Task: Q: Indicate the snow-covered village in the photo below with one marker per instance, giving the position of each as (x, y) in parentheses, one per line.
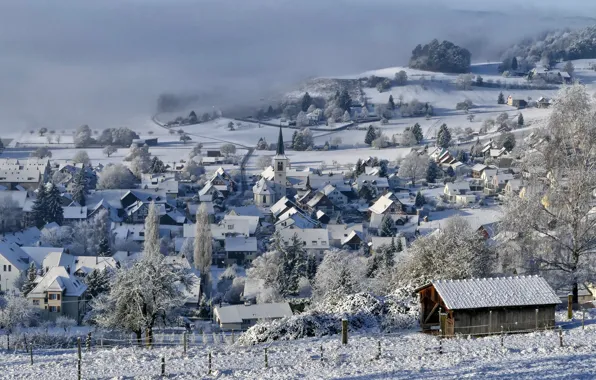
(431, 219)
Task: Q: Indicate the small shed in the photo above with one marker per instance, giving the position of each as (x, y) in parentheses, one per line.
(487, 305)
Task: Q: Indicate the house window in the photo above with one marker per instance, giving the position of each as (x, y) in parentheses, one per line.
(54, 296)
(9, 268)
(280, 166)
(314, 242)
(54, 309)
(230, 226)
(323, 243)
(5, 267)
(36, 302)
(264, 199)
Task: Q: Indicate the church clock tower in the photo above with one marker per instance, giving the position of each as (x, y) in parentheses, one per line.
(280, 164)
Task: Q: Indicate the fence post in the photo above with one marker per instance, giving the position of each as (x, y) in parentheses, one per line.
(583, 317)
(570, 306)
(490, 321)
(266, 359)
(502, 337)
(101, 340)
(344, 331)
(209, 362)
(379, 352)
(440, 343)
(184, 340)
(560, 336)
(7, 341)
(80, 358)
(443, 323)
(232, 336)
(321, 352)
(88, 341)
(31, 352)
(163, 366)
(536, 319)
(25, 343)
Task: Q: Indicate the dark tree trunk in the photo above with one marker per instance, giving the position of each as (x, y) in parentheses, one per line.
(575, 293)
(138, 333)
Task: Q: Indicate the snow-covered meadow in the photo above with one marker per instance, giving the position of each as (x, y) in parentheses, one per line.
(407, 355)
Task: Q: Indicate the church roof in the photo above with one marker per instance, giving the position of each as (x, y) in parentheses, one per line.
(280, 144)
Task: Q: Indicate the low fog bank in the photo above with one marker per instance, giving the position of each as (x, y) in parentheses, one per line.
(105, 63)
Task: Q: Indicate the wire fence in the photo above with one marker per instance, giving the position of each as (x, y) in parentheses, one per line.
(192, 354)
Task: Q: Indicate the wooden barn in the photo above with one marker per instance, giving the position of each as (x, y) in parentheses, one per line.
(487, 305)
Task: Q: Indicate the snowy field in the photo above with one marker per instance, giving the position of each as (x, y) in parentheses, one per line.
(410, 355)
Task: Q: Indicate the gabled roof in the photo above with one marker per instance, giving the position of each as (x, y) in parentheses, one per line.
(38, 254)
(261, 188)
(57, 279)
(328, 189)
(18, 197)
(240, 244)
(462, 185)
(75, 212)
(495, 292)
(14, 255)
(252, 221)
(239, 313)
(314, 238)
(316, 199)
(381, 205)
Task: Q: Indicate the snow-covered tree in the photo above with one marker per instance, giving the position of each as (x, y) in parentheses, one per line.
(293, 266)
(57, 236)
(301, 119)
(140, 165)
(109, 150)
(371, 135)
(185, 138)
(417, 130)
(408, 138)
(30, 277)
(54, 210)
(340, 273)
(264, 162)
(81, 157)
(16, 311)
(11, 215)
(103, 234)
(187, 250)
(82, 137)
(116, 177)
(98, 282)
(457, 251)
(364, 113)
(386, 226)
(401, 78)
(228, 149)
(413, 167)
(79, 188)
(555, 214)
(520, 120)
(66, 323)
(444, 136)
(42, 152)
(193, 169)
(380, 142)
(464, 81)
(203, 248)
(501, 98)
(420, 200)
(39, 209)
(569, 68)
(152, 241)
(157, 166)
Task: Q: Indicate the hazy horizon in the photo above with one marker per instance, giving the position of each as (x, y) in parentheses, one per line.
(103, 63)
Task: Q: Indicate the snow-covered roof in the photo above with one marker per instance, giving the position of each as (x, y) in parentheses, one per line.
(57, 279)
(315, 200)
(457, 186)
(479, 167)
(495, 292)
(261, 188)
(29, 236)
(268, 173)
(328, 189)
(299, 220)
(38, 254)
(14, 255)
(342, 231)
(87, 264)
(252, 287)
(381, 205)
(239, 313)
(250, 210)
(240, 244)
(280, 206)
(75, 212)
(252, 221)
(379, 182)
(314, 238)
(17, 196)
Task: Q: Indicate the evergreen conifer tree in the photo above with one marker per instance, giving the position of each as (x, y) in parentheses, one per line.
(514, 63)
(311, 266)
(520, 120)
(294, 138)
(501, 99)
(420, 201)
(432, 171)
(444, 137)
(371, 135)
(55, 212)
(157, 166)
(39, 209)
(386, 226)
(79, 188)
(391, 103)
(417, 131)
(389, 254)
(270, 111)
(30, 283)
(293, 266)
(306, 102)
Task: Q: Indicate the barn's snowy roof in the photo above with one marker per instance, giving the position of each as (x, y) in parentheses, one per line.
(495, 292)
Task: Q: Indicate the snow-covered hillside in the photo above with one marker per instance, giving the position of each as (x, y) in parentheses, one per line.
(410, 355)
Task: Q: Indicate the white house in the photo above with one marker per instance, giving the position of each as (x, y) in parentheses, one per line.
(386, 204)
(458, 192)
(240, 249)
(13, 261)
(315, 240)
(241, 317)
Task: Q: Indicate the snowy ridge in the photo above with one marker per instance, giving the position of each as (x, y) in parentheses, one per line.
(495, 292)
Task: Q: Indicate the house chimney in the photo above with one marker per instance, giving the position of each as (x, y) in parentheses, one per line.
(68, 269)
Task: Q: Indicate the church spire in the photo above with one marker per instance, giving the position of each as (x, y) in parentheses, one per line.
(280, 144)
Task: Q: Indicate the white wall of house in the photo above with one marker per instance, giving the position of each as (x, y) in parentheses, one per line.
(8, 274)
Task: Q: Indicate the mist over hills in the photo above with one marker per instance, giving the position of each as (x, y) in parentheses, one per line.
(105, 63)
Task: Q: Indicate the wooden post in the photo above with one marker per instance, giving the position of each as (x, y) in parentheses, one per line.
(266, 359)
(184, 342)
(379, 352)
(80, 358)
(560, 336)
(344, 331)
(321, 352)
(490, 321)
(583, 318)
(443, 323)
(440, 344)
(25, 343)
(537, 324)
(88, 341)
(101, 341)
(209, 362)
(232, 336)
(31, 352)
(8, 341)
(570, 306)
(502, 337)
(163, 366)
